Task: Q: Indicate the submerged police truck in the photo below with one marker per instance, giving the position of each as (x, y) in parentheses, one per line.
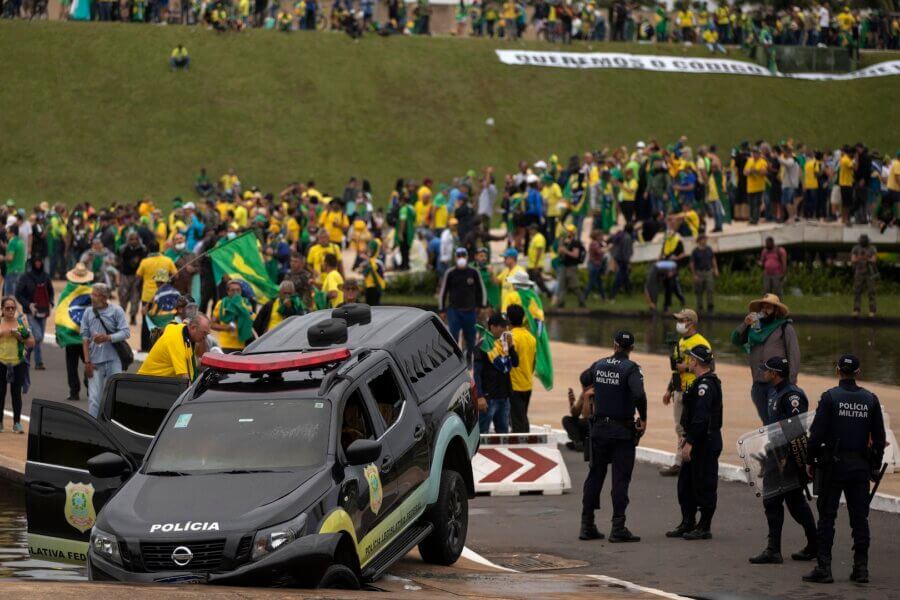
(318, 456)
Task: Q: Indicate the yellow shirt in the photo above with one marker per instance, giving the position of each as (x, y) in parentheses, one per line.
(846, 21)
(9, 351)
(505, 273)
(228, 181)
(223, 208)
(423, 213)
(810, 172)
(686, 18)
(670, 242)
(228, 339)
(293, 229)
(756, 183)
(161, 233)
(629, 190)
(276, 316)
(537, 246)
(149, 267)
(512, 296)
(893, 182)
(441, 216)
(693, 221)
(685, 344)
(522, 376)
(422, 192)
(359, 239)
(845, 171)
(333, 283)
(241, 216)
(316, 256)
(335, 223)
(552, 196)
(171, 356)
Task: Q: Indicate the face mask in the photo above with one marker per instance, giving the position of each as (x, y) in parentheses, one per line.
(681, 328)
(180, 246)
(460, 262)
(232, 235)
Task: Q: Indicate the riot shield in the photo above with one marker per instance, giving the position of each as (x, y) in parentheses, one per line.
(774, 456)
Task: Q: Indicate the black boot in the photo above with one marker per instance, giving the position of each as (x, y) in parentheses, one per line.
(768, 556)
(808, 553)
(620, 533)
(821, 574)
(683, 527)
(589, 529)
(860, 572)
(702, 530)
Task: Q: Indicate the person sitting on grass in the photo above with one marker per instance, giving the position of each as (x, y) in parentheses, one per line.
(179, 59)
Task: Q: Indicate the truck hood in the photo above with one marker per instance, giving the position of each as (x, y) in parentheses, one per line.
(200, 506)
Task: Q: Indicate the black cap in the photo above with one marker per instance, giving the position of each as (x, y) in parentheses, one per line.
(497, 319)
(701, 353)
(625, 339)
(848, 364)
(779, 364)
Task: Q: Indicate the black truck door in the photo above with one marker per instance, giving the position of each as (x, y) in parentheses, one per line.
(134, 406)
(62, 499)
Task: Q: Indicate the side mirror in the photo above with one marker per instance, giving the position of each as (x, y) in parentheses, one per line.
(108, 464)
(361, 452)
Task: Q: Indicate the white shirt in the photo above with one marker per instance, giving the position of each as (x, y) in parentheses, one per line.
(25, 234)
(446, 253)
(824, 17)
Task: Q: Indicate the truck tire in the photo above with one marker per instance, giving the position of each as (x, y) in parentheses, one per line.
(339, 577)
(449, 517)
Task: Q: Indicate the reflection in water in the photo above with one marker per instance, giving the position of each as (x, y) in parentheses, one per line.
(14, 559)
(820, 343)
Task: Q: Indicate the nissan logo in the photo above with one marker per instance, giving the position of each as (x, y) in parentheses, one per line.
(182, 555)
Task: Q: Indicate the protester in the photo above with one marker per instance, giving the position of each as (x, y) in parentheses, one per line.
(576, 424)
(35, 293)
(179, 59)
(522, 374)
(15, 338)
(129, 259)
(286, 304)
(233, 318)
(461, 296)
(705, 270)
(767, 332)
(773, 260)
(494, 359)
(16, 256)
(175, 353)
(332, 281)
(864, 258)
(596, 264)
(102, 326)
(572, 253)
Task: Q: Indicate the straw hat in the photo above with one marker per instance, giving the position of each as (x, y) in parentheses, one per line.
(774, 301)
(80, 274)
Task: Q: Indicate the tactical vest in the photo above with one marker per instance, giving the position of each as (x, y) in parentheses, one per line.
(612, 397)
(851, 418)
(778, 406)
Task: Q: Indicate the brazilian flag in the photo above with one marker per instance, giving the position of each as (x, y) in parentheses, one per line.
(241, 259)
(73, 301)
(534, 314)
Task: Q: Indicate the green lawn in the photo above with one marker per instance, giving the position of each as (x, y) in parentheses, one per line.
(839, 305)
(91, 112)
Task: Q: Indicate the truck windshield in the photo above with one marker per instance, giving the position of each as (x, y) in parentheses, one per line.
(242, 436)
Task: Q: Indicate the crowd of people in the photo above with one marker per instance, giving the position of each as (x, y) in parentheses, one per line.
(816, 24)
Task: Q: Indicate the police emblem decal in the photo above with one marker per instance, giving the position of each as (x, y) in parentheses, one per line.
(373, 478)
(79, 509)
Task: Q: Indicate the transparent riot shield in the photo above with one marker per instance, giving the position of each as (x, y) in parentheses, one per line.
(774, 456)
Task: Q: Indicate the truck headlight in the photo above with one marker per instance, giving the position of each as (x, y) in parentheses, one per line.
(272, 538)
(105, 545)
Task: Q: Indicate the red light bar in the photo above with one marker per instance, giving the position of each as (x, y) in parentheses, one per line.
(273, 362)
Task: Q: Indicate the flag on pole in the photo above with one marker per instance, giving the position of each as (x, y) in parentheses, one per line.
(534, 313)
(241, 259)
(73, 301)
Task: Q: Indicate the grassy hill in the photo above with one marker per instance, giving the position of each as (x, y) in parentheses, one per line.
(91, 111)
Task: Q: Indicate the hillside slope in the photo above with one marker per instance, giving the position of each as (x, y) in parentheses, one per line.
(91, 111)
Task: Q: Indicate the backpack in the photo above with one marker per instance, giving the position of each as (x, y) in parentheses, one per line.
(41, 301)
(393, 215)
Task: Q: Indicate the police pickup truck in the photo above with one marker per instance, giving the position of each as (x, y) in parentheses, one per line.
(318, 456)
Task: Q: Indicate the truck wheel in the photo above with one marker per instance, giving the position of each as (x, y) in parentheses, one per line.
(449, 517)
(339, 577)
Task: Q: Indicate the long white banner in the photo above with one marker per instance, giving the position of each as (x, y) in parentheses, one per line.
(675, 64)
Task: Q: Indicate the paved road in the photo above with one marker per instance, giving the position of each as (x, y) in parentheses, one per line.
(549, 524)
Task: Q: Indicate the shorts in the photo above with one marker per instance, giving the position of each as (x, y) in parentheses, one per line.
(787, 196)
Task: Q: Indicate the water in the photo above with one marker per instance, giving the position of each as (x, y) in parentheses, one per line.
(14, 559)
(820, 343)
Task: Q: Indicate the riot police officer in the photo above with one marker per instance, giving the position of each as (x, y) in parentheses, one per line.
(700, 449)
(618, 390)
(785, 400)
(843, 459)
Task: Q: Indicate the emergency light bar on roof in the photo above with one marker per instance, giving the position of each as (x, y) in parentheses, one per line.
(275, 362)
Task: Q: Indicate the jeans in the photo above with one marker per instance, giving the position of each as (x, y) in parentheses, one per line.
(10, 283)
(759, 393)
(810, 203)
(718, 213)
(12, 377)
(518, 411)
(102, 372)
(773, 284)
(37, 330)
(622, 280)
(595, 281)
(497, 413)
(463, 320)
(755, 200)
(704, 285)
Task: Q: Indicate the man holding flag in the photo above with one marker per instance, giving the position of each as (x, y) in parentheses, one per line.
(73, 301)
(522, 374)
(233, 319)
(521, 292)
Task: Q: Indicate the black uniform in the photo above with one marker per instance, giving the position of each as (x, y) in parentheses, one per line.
(702, 423)
(786, 400)
(618, 390)
(846, 418)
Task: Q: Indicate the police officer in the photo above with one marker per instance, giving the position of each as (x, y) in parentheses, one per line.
(618, 390)
(785, 400)
(846, 447)
(700, 449)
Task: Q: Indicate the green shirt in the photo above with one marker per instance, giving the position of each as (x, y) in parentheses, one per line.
(16, 247)
(407, 214)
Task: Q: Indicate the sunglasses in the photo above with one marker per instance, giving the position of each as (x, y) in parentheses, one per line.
(9, 308)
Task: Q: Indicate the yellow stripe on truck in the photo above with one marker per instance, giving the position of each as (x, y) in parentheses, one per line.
(57, 549)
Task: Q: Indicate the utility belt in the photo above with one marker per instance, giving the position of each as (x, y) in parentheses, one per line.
(628, 423)
(852, 454)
